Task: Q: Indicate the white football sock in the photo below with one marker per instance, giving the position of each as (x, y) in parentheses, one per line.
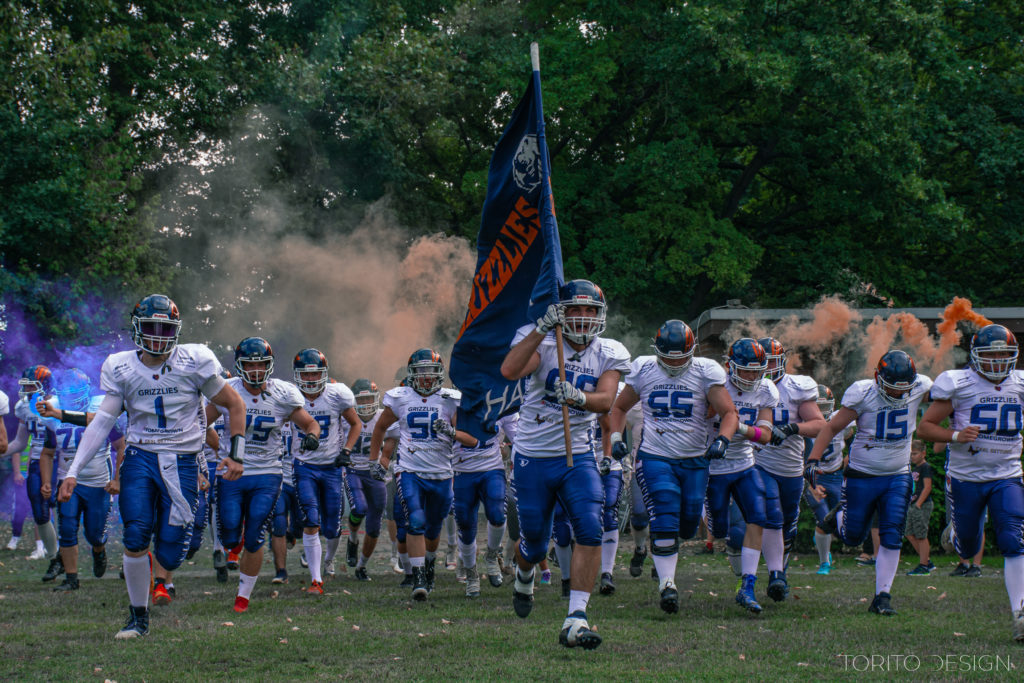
(886, 564)
(49, 536)
(494, 536)
(311, 542)
(524, 581)
(609, 544)
(362, 561)
(1013, 570)
(772, 549)
(246, 584)
(665, 566)
(406, 562)
(468, 554)
(823, 542)
(564, 555)
(749, 559)
(640, 537)
(417, 561)
(578, 601)
(449, 530)
(136, 579)
(332, 550)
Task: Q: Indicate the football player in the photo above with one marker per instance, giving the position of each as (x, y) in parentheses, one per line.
(829, 479)
(984, 405)
(90, 501)
(592, 367)
(245, 505)
(161, 386)
(734, 476)
(318, 473)
(367, 494)
(781, 461)
(878, 472)
(287, 524)
(36, 383)
(424, 466)
(675, 390)
(611, 480)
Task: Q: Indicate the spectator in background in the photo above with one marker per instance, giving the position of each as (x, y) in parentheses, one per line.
(919, 513)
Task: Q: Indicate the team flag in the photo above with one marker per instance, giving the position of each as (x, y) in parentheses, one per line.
(518, 271)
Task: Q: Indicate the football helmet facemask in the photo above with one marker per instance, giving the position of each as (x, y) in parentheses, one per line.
(581, 328)
(994, 352)
(310, 371)
(73, 389)
(367, 398)
(425, 371)
(36, 379)
(746, 355)
(156, 324)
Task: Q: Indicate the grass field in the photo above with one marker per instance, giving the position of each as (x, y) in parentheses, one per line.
(947, 629)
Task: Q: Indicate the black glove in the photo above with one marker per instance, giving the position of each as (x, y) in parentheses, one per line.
(604, 466)
(619, 450)
(780, 434)
(811, 472)
(343, 458)
(310, 442)
(378, 471)
(717, 449)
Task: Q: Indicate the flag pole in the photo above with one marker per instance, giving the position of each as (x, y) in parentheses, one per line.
(535, 59)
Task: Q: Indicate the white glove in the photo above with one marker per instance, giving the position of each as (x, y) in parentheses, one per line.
(553, 317)
(567, 394)
(444, 427)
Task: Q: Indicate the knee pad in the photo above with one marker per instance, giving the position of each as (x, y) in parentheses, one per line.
(1009, 543)
(532, 552)
(136, 539)
(170, 555)
(416, 523)
(664, 550)
(355, 519)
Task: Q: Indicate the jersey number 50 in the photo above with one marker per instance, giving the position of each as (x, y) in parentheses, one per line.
(1001, 419)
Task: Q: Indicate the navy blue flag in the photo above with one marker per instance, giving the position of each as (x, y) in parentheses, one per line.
(518, 270)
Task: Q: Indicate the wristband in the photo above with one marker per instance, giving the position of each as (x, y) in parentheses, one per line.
(742, 429)
(757, 433)
(237, 448)
(615, 438)
(73, 417)
(955, 434)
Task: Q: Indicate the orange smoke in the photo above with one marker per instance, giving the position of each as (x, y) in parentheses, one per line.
(831, 320)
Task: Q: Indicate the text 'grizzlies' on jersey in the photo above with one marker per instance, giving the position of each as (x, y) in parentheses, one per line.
(265, 414)
(997, 410)
(540, 431)
(675, 408)
(787, 459)
(361, 451)
(162, 403)
(422, 450)
(884, 433)
(740, 454)
(326, 409)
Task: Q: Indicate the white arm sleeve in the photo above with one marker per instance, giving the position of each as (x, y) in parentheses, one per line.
(96, 433)
(20, 441)
(212, 386)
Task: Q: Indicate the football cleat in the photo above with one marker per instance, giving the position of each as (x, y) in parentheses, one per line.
(361, 574)
(55, 569)
(494, 568)
(329, 570)
(973, 572)
(241, 604)
(865, 562)
(428, 573)
(472, 583)
(545, 577)
(407, 581)
(99, 563)
(221, 565)
(351, 552)
(12, 544)
(636, 563)
(161, 596)
(745, 594)
(1018, 625)
(919, 570)
(961, 570)
(881, 605)
(669, 598)
(450, 562)
(37, 554)
(396, 565)
(829, 525)
(280, 577)
(778, 588)
(419, 584)
(233, 561)
(316, 588)
(576, 632)
(136, 626)
(522, 595)
(191, 553)
(69, 584)
(824, 569)
(566, 587)
(607, 585)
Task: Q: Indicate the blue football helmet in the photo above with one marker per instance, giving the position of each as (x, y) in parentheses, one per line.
(748, 355)
(994, 352)
(826, 401)
(581, 329)
(308, 362)
(674, 341)
(367, 398)
(895, 376)
(36, 379)
(425, 371)
(156, 324)
(73, 387)
(775, 353)
(254, 350)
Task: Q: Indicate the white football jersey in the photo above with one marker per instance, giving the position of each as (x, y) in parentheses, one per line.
(740, 454)
(326, 409)
(264, 416)
(35, 425)
(675, 409)
(787, 459)
(882, 443)
(421, 450)
(832, 458)
(100, 469)
(540, 431)
(486, 456)
(162, 403)
(5, 404)
(996, 409)
(361, 451)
